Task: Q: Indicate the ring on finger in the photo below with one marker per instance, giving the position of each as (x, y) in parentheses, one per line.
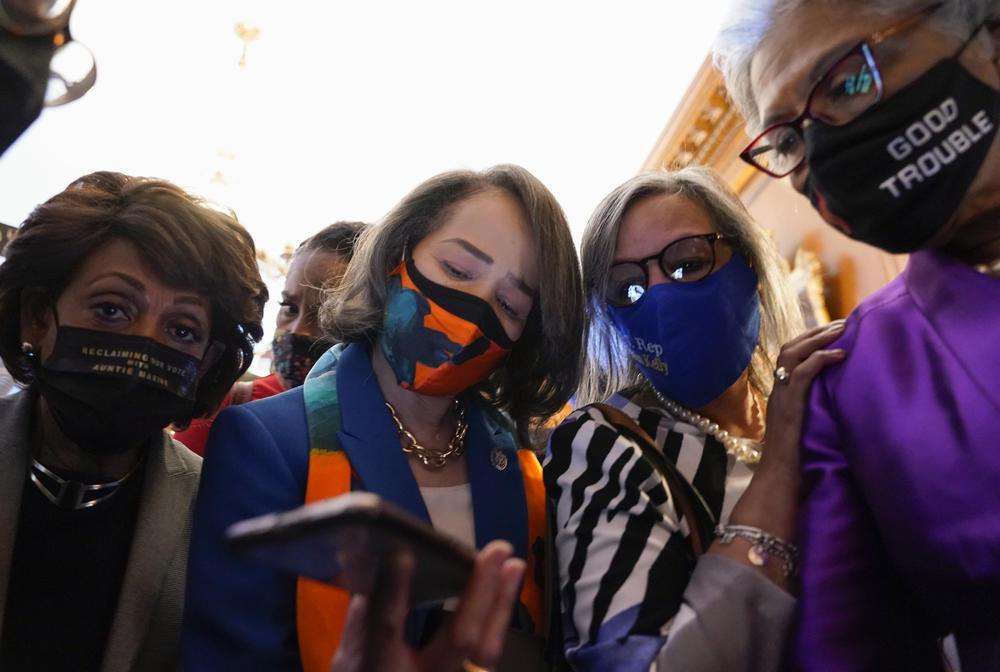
(781, 375)
(469, 666)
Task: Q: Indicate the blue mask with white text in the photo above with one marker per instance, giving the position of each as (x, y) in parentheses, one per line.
(693, 340)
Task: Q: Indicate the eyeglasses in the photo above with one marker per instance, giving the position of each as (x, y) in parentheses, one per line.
(35, 17)
(847, 90)
(72, 70)
(687, 259)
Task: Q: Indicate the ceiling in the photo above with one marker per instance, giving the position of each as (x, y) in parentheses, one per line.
(343, 107)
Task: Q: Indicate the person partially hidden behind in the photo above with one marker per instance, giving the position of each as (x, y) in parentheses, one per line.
(126, 305)
(318, 265)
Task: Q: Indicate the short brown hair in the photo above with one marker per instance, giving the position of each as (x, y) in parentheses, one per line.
(187, 243)
(541, 372)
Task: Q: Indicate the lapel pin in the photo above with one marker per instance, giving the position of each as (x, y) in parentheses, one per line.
(498, 459)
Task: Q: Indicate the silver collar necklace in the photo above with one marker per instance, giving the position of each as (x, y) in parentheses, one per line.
(73, 495)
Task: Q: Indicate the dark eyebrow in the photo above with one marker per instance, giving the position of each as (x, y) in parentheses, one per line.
(134, 282)
(522, 285)
(192, 299)
(819, 69)
(472, 249)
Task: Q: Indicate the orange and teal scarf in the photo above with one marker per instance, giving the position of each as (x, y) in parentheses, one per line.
(352, 444)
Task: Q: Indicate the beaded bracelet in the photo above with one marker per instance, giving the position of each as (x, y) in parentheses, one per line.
(762, 545)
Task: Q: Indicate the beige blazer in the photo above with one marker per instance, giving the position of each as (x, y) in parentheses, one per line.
(146, 631)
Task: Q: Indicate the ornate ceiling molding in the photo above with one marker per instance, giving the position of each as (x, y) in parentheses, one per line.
(6, 235)
(705, 129)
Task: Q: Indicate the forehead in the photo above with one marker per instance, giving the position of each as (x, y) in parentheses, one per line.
(121, 256)
(654, 221)
(800, 42)
(494, 222)
(312, 268)
(489, 214)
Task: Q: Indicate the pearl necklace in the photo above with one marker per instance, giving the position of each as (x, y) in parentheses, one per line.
(744, 450)
(991, 268)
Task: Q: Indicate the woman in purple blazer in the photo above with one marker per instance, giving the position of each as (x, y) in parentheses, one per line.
(892, 136)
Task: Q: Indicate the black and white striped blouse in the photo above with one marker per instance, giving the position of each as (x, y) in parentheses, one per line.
(622, 558)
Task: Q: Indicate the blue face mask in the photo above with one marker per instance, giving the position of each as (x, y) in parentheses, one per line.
(692, 340)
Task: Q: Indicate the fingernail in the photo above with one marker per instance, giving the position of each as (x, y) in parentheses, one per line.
(838, 352)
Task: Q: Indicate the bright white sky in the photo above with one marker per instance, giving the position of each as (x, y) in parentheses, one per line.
(344, 107)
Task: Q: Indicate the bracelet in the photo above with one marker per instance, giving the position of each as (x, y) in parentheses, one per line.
(762, 545)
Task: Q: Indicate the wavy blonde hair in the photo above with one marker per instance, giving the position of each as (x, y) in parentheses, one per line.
(609, 368)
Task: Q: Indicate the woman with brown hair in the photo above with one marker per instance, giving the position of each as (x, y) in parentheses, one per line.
(126, 305)
(456, 339)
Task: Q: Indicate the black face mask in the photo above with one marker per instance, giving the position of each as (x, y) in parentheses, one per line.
(294, 355)
(112, 392)
(895, 176)
(24, 74)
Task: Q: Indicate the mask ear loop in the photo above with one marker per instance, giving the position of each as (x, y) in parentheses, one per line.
(990, 24)
(993, 28)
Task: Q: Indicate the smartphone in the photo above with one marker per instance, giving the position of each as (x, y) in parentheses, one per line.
(344, 540)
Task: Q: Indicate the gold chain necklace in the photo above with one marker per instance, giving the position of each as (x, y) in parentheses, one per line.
(433, 459)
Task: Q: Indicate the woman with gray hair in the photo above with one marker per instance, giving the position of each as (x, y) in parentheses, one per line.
(892, 136)
(688, 303)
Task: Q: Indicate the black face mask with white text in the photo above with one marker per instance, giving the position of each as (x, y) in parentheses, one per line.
(112, 392)
(895, 176)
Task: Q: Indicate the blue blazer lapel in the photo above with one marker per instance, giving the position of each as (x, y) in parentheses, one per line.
(369, 437)
(498, 500)
(372, 445)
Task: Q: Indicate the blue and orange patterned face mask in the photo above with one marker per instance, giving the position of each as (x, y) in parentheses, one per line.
(438, 340)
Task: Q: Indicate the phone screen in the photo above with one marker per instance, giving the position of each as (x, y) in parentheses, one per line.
(343, 541)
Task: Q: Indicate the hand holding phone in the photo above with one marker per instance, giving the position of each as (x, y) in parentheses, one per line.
(472, 639)
(344, 541)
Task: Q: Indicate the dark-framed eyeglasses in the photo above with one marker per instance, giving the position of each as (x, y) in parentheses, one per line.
(687, 259)
(72, 70)
(847, 90)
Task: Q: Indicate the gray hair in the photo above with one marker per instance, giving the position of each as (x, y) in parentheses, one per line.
(541, 372)
(750, 21)
(609, 367)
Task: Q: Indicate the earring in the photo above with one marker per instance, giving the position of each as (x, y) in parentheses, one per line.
(28, 349)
